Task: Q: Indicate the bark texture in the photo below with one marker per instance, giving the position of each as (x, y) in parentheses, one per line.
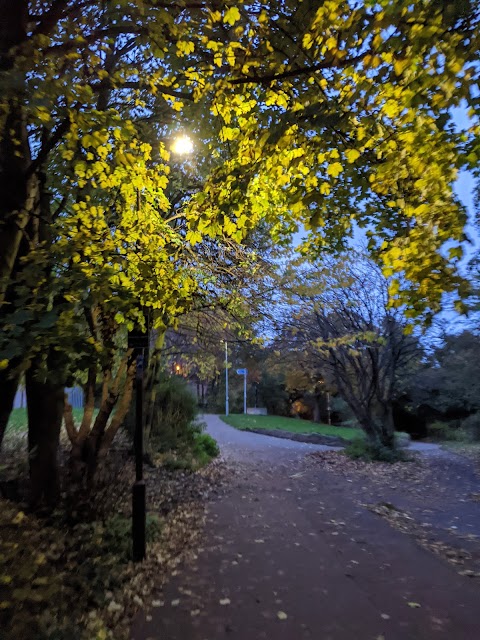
(45, 404)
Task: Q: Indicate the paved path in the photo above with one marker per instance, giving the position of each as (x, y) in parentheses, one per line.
(289, 555)
(241, 445)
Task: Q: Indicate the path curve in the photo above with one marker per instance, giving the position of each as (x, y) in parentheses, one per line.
(240, 444)
(289, 554)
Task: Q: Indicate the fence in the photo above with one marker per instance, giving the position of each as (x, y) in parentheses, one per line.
(74, 395)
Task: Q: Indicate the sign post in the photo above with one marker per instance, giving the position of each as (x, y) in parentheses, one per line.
(244, 372)
(226, 378)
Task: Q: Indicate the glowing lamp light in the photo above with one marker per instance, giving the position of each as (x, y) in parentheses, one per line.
(182, 146)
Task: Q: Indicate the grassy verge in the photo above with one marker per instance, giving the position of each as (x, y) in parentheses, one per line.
(470, 450)
(18, 420)
(291, 425)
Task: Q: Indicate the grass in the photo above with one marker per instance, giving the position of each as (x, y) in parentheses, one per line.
(470, 450)
(292, 425)
(18, 420)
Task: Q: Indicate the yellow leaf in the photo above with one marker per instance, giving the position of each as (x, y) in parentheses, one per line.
(399, 66)
(352, 155)
(68, 154)
(334, 169)
(228, 133)
(232, 16)
(307, 41)
(40, 559)
(184, 47)
(325, 188)
(18, 518)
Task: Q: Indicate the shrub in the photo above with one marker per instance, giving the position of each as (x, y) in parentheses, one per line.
(273, 395)
(443, 431)
(360, 449)
(402, 439)
(207, 444)
(174, 462)
(175, 431)
(174, 425)
(471, 427)
(204, 449)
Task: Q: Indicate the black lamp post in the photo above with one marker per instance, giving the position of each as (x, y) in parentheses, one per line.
(138, 340)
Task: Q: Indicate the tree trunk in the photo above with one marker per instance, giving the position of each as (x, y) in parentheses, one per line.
(387, 431)
(20, 192)
(317, 408)
(92, 442)
(8, 388)
(45, 404)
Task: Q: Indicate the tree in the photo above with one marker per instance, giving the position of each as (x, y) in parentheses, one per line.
(89, 241)
(340, 323)
(314, 105)
(448, 383)
(358, 130)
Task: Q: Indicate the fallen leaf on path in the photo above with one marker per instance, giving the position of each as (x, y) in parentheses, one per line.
(414, 605)
(385, 616)
(175, 603)
(157, 603)
(224, 601)
(281, 615)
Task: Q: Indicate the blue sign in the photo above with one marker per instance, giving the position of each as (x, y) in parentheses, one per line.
(242, 372)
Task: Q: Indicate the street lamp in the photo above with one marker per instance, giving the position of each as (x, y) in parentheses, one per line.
(182, 146)
(138, 340)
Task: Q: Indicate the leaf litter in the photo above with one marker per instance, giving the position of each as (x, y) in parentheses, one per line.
(63, 576)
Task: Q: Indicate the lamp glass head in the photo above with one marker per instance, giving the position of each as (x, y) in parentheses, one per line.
(182, 146)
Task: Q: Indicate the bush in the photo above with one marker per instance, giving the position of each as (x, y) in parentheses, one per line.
(471, 427)
(445, 431)
(273, 395)
(402, 439)
(174, 425)
(176, 432)
(207, 444)
(204, 449)
(360, 449)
